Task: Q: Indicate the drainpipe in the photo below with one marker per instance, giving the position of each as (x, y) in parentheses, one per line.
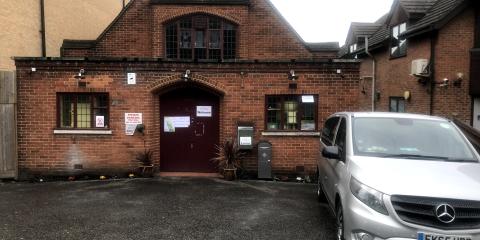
(433, 41)
(373, 72)
(42, 27)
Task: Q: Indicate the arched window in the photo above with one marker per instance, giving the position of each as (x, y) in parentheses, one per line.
(201, 37)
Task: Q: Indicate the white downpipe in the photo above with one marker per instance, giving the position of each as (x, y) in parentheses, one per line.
(373, 73)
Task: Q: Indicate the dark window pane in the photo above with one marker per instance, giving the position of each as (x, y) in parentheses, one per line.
(214, 54)
(229, 43)
(186, 53)
(66, 111)
(186, 23)
(199, 39)
(308, 117)
(200, 53)
(185, 39)
(214, 23)
(273, 113)
(214, 39)
(200, 22)
(171, 41)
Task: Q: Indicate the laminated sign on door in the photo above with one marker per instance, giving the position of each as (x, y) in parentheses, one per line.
(171, 123)
(204, 111)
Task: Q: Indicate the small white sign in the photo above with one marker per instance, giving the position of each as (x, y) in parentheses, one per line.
(204, 111)
(99, 121)
(131, 78)
(133, 118)
(171, 123)
(130, 129)
(308, 99)
(245, 141)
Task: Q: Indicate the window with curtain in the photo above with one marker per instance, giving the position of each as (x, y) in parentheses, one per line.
(82, 110)
(291, 112)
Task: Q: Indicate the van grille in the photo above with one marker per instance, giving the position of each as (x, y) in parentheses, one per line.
(421, 211)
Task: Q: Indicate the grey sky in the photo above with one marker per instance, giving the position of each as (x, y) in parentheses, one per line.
(329, 20)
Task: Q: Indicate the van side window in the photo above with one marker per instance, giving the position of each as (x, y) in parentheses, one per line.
(328, 131)
(341, 137)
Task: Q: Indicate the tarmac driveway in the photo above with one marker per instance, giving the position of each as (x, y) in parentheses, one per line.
(163, 208)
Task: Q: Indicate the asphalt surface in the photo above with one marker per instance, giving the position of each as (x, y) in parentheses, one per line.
(163, 208)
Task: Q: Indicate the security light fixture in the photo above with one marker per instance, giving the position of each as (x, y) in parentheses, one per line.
(186, 76)
(458, 81)
(293, 80)
(292, 76)
(80, 77)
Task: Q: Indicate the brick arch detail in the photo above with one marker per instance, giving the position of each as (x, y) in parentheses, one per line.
(172, 80)
(203, 11)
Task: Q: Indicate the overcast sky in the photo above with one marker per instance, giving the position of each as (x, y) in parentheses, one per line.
(329, 20)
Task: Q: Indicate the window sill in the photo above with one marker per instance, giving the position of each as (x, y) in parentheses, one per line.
(82, 132)
(290, 134)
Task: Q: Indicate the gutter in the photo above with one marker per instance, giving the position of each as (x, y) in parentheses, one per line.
(374, 63)
(42, 28)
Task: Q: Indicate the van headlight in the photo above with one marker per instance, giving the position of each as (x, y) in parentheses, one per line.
(368, 195)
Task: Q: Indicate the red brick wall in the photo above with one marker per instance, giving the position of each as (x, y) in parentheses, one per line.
(40, 150)
(453, 55)
(262, 32)
(453, 44)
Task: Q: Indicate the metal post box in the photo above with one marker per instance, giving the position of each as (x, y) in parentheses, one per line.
(264, 160)
(245, 137)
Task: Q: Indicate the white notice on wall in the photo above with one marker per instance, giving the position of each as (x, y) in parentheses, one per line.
(133, 118)
(245, 141)
(131, 78)
(171, 123)
(99, 121)
(204, 111)
(308, 99)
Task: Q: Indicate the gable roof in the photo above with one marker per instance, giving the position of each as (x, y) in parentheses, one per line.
(358, 29)
(323, 47)
(435, 14)
(439, 14)
(417, 6)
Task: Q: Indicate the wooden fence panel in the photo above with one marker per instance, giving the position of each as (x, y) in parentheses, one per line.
(8, 126)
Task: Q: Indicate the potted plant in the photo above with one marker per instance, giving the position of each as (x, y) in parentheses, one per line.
(145, 158)
(228, 159)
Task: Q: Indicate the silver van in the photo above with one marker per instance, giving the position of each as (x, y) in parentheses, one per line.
(399, 176)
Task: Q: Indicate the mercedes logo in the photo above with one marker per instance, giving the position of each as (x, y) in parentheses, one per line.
(445, 213)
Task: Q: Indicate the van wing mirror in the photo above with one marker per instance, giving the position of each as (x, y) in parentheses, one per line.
(331, 152)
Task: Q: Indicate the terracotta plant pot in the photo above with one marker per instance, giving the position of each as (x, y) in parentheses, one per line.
(230, 174)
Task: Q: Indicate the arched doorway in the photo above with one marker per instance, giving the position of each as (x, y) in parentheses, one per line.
(189, 130)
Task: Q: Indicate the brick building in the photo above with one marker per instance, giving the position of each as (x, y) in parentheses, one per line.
(191, 72)
(424, 53)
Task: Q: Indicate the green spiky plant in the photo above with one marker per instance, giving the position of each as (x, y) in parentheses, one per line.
(228, 155)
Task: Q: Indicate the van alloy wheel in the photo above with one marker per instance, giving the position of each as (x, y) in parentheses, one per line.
(340, 230)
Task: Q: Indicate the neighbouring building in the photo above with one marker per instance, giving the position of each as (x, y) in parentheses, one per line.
(424, 59)
(21, 25)
(190, 73)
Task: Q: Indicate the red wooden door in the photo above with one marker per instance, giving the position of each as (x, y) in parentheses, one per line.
(188, 138)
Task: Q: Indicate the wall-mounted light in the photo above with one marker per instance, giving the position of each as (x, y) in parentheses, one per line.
(32, 70)
(186, 76)
(292, 76)
(339, 72)
(80, 77)
(407, 95)
(444, 82)
(293, 79)
(458, 81)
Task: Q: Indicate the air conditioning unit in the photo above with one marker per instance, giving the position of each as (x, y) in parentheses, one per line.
(420, 67)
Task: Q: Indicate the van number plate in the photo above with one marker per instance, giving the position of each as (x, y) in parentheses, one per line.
(432, 236)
